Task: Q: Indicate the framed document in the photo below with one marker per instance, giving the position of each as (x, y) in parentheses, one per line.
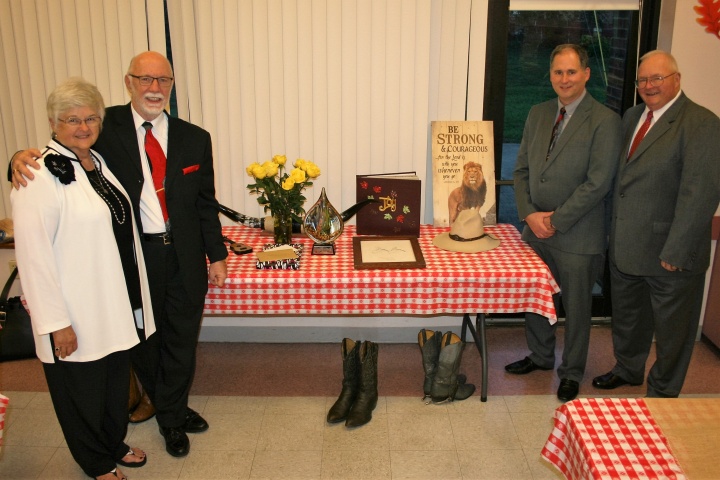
(387, 252)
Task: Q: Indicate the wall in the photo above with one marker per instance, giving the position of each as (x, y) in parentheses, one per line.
(694, 50)
(697, 53)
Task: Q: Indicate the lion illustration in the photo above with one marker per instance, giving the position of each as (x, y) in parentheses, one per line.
(471, 194)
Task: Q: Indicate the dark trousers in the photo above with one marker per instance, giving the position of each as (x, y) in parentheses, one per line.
(666, 307)
(90, 400)
(165, 363)
(576, 275)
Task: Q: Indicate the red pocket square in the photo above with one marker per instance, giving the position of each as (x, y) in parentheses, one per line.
(190, 169)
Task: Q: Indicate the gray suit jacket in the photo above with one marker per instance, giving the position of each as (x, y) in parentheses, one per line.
(666, 194)
(575, 179)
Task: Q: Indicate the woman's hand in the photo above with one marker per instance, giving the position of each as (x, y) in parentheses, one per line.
(65, 342)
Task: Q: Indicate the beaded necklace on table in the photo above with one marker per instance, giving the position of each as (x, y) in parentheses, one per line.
(102, 187)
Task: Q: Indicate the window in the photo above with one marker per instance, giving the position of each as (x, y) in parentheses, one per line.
(532, 35)
(517, 67)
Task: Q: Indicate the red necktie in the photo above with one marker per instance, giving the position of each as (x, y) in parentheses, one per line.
(640, 134)
(158, 162)
(555, 132)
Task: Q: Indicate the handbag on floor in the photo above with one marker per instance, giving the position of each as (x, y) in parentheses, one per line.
(16, 335)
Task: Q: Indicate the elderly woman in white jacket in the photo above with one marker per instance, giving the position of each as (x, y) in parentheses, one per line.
(83, 276)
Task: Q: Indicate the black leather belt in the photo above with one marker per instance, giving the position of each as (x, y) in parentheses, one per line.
(164, 238)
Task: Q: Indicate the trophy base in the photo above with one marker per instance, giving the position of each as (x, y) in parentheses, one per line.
(323, 249)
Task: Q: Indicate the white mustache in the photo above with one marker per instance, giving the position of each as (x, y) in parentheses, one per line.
(153, 97)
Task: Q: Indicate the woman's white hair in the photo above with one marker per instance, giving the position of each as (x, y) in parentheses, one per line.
(75, 92)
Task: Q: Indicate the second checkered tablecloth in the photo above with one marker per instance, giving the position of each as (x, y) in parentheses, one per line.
(609, 438)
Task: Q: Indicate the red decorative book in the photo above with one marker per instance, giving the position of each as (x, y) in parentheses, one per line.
(398, 209)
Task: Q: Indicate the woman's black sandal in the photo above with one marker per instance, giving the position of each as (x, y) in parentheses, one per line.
(133, 464)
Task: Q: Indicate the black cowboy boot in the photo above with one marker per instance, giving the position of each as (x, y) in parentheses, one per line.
(361, 411)
(339, 411)
(429, 342)
(445, 385)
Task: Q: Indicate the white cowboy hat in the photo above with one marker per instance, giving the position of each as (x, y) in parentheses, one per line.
(466, 234)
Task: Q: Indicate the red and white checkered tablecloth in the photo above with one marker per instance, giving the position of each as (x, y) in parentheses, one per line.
(508, 279)
(4, 402)
(609, 438)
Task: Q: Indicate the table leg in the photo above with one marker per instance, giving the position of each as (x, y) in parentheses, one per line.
(480, 343)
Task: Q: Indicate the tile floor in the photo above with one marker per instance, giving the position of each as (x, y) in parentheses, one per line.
(288, 438)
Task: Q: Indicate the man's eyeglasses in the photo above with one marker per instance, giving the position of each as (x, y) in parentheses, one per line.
(655, 81)
(146, 80)
(93, 121)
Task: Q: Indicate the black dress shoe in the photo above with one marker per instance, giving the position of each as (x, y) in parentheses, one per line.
(521, 367)
(568, 390)
(610, 381)
(194, 423)
(177, 442)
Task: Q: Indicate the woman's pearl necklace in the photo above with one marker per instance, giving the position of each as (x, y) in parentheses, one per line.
(103, 187)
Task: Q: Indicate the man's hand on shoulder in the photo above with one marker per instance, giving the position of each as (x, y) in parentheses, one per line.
(20, 163)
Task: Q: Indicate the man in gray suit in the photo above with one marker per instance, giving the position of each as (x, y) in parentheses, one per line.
(667, 189)
(565, 169)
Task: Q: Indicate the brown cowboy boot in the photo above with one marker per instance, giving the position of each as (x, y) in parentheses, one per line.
(144, 411)
(134, 396)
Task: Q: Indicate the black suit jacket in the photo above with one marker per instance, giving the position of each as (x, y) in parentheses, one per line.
(189, 189)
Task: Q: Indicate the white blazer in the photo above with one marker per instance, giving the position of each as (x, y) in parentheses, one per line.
(69, 264)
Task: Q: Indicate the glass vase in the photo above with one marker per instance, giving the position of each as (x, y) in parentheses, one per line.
(283, 228)
(323, 224)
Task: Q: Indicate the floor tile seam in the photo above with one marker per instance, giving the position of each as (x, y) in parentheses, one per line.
(443, 413)
(536, 457)
(515, 426)
(50, 459)
(10, 444)
(545, 417)
(254, 410)
(457, 459)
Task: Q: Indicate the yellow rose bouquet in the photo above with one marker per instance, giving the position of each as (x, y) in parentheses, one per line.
(279, 191)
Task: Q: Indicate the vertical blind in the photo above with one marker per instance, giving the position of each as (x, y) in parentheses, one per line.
(43, 42)
(351, 85)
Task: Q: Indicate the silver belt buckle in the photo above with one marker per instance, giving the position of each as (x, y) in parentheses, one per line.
(167, 238)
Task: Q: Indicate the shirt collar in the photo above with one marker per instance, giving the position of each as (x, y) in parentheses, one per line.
(571, 107)
(659, 112)
(159, 123)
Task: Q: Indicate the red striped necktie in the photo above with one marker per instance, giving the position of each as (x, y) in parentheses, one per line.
(555, 132)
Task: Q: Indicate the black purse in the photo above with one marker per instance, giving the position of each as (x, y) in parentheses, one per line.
(16, 337)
